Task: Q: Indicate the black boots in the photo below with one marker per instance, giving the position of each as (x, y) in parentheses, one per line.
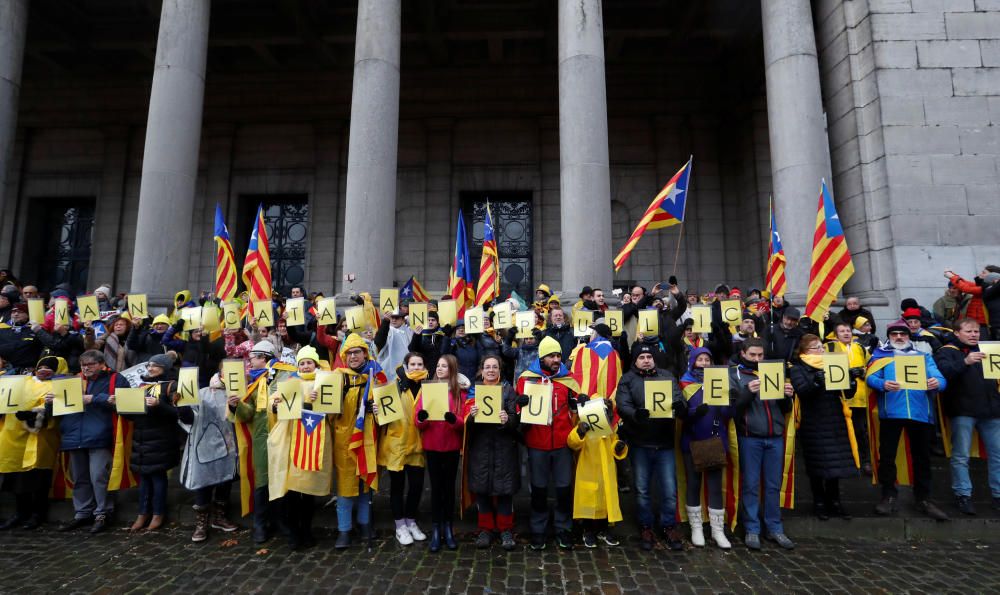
(449, 537)
(435, 544)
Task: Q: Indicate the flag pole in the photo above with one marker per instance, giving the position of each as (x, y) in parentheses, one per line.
(680, 235)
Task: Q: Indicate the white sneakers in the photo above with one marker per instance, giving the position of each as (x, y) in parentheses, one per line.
(415, 532)
(403, 535)
(697, 526)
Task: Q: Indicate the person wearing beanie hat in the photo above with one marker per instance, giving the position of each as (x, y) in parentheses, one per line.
(560, 329)
(8, 298)
(104, 295)
(923, 340)
(250, 412)
(853, 309)
(29, 447)
(146, 338)
(903, 409)
(651, 446)
(431, 342)
(550, 458)
(356, 477)
(19, 344)
(154, 441)
(862, 330)
(781, 332)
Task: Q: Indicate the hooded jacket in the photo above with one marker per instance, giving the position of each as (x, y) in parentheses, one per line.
(969, 394)
(564, 388)
(714, 421)
(917, 405)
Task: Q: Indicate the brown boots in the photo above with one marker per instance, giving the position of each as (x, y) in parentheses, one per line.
(200, 524)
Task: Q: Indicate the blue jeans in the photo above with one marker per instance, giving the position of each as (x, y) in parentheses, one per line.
(153, 493)
(345, 509)
(655, 466)
(761, 458)
(961, 442)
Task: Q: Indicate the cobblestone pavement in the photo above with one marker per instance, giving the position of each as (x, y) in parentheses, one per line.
(116, 562)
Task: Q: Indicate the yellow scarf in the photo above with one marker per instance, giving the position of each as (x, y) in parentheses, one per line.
(307, 375)
(816, 361)
(812, 360)
(417, 375)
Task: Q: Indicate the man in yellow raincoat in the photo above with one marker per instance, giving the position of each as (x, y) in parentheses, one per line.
(595, 492)
(354, 449)
(29, 445)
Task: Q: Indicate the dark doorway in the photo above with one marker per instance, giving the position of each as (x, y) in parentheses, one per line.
(61, 256)
(287, 219)
(511, 212)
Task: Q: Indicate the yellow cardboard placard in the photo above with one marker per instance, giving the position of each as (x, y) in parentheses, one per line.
(716, 386)
(911, 371)
(836, 368)
(503, 318)
(475, 321)
(130, 400)
(434, 396)
(11, 393)
(231, 316)
(210, 318)
(595, 413)
(89, 310)
(649, 323)
(582, 320)
(329, 387)
(447, 312)
(187, 386)
(659, 398)
(36, 311)
(615, 322)
(234, 377)
(290, 399)
(69, 396)
(390, 405)
(61, 312)
(538, 411)
(489, 402)
(355, 318)
(732, 311)
(418, 315)
(295, 312)
(326, 311)
(525, 322)
(702, 318)
(137, 308)
(772, 379)
(192, 318)
(388, 299)
(991, 362)
(263, 313)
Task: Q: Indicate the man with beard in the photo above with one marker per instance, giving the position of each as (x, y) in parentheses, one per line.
(904, 409)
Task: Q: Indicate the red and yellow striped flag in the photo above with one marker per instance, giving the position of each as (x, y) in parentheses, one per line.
(225, 261)
(667, 209)
(831, 260)
(257, 266)
(489, 265)
(308, 443)
(776, 283)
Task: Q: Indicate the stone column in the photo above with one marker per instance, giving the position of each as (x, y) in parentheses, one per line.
(170, 158)
(584, 182)
(369, 215)
(799, 145)
(13, 30)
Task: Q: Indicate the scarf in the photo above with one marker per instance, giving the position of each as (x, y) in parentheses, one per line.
(417, 375)
(812, 360)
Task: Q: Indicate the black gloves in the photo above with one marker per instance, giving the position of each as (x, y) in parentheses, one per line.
(511, 333)
(679, 407)
(523, 400)
(537, 334)
(450, 417)
(642, 415)
(701, 410)
(609, 405)
(620, 447)
(582, 429)
(422, 415)
(448, 329)
(858, 372)
(179, 325)
(582, 400)
(672, 280)
(28, 416)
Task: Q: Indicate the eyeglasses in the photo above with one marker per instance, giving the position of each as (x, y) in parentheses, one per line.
(89, 364)
(355, 352)
(898, 333)
(815, 348)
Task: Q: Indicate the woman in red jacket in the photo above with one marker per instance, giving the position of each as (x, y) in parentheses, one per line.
(442, 441)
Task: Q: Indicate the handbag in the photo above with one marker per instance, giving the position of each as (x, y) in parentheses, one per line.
(708, 454)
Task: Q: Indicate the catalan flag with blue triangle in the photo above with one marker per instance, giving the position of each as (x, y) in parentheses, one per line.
(776, 261)
(225, 261)
(667, 209)
(831, 260)
(460, 284)
(257, 266)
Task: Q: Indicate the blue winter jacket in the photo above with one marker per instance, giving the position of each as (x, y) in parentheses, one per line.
(917, 405)
(92, 428)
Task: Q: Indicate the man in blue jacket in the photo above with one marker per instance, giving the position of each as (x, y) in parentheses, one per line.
(904, 409)
(88, 437)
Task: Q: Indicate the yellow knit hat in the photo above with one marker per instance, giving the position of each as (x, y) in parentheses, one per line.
(548, 346)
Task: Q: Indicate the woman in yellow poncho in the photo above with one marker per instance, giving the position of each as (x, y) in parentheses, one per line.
(595, 493)
(29, 445)
(846, 341)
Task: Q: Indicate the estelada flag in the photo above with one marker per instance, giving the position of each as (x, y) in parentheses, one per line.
(225, 262)
(667, 208)
(257, 266)
(412, 290)
(597, 368)
(308, 442)
(831, 260)
(776, 261)
(460, 284)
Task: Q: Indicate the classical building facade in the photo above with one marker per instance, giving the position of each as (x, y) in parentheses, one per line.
(363, 127)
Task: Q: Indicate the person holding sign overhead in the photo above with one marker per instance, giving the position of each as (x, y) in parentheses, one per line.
(549, 458)
(760, 427)
(649, 426)
(825, 431)
(972, 405)
(902, 409)
(29, 444)
(392, 342)
(401, 452)
(89, 439)
(442, 442)
(701, 422)
(492, 470)
(154, 441)
(146, 340)
(431, 342)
